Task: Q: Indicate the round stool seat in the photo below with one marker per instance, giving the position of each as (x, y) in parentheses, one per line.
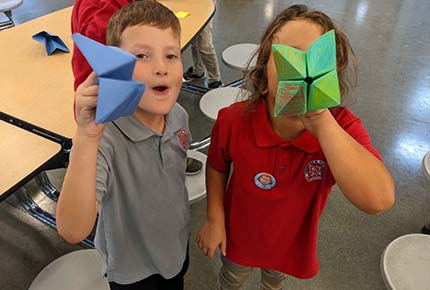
(237, 56)
(426, 165)
(195, 184)
(216, 99)
(405, 263)
(78, 270)
(7, 5)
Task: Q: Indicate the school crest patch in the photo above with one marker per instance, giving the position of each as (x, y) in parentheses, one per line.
(183, 138)
(314, 170)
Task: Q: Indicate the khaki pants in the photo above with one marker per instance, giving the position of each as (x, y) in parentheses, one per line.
(232, 276)
(204, 54)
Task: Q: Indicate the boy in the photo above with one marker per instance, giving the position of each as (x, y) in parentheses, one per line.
(90, 18)
(132, 170)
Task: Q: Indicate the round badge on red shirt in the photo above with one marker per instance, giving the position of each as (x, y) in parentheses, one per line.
(265, 180)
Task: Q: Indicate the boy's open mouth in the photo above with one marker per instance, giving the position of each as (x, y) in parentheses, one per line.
(160, 88)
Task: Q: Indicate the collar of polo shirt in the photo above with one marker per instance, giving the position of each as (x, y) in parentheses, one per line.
(136, 131)
(265, 136)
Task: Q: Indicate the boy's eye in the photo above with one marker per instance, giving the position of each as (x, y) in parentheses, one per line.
(172, 56)
(141, 55)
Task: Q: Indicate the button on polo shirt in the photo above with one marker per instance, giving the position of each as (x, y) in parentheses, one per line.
(274, 227)
(143, 225)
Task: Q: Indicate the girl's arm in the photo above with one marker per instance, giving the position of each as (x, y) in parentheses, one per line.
(77, 206)
(212, 234)
(362, 177)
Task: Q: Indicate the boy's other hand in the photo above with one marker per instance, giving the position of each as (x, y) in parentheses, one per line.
(210, 237)
(86, 102)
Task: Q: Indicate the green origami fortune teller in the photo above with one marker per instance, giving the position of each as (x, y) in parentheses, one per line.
(307, 80)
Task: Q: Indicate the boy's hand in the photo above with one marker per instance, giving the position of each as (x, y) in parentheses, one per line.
(86, 102)
(210, 236)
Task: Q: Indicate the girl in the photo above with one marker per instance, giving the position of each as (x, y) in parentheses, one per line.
(274, 226)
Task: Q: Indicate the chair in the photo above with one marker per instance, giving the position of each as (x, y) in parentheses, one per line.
(6, 6)
(216, 99)
(405, 263)
(195, 184)
(426, 169)
(78, 270)
(238, 56)
(426, 165)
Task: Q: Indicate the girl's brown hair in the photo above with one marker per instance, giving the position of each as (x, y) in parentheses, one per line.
(145, 12)
(256, 78)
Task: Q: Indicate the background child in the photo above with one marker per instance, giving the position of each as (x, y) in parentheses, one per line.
(132, 170)
(90, 18)
(275, 227)
(204, 58)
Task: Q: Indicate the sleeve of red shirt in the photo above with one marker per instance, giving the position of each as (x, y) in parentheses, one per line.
(354, 127)
(218, 152)
(90, 18)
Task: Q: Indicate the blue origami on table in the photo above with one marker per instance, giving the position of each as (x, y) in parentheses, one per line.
(52, 42)
(119, 94)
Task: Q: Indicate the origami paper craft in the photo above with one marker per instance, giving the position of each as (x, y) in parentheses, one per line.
(307, 80)
(119, 95)
(52, 42)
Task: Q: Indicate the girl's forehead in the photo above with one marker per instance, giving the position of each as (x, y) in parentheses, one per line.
(298, 33)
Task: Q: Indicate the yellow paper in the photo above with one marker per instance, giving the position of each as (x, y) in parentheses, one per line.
(182, 14)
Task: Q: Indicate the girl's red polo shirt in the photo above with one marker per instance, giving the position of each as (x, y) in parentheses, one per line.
(274, 228)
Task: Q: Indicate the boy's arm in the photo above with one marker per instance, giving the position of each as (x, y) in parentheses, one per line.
(212, 234)
(362, 177)
(77, 206)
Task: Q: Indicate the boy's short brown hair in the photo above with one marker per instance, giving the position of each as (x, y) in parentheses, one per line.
(145, 12)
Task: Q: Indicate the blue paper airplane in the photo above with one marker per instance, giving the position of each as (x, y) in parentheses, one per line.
(52, 42)
(119, 94)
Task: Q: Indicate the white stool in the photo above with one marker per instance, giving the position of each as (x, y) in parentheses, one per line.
(237, 56)
(79, 270)
(426, 166)
(6, 6)
(216, 99)
(426, 169)
(405, 263)
(196, 185)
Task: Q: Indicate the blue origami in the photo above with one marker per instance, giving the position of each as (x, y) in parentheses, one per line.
(119, 94)
(52, 42)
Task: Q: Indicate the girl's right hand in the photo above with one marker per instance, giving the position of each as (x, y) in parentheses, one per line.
(86, 102)
(211, 236)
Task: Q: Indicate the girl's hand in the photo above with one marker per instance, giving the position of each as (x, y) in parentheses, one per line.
(211, 236)
(314, 120)
(86, 102)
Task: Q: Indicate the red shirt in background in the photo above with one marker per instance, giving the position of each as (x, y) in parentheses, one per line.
(274, 228)
(90, 18)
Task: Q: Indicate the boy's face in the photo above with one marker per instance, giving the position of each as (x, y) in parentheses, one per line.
(158, 66)
(300, 34)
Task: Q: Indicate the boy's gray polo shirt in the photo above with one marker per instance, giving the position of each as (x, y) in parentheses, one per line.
(143, 225)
